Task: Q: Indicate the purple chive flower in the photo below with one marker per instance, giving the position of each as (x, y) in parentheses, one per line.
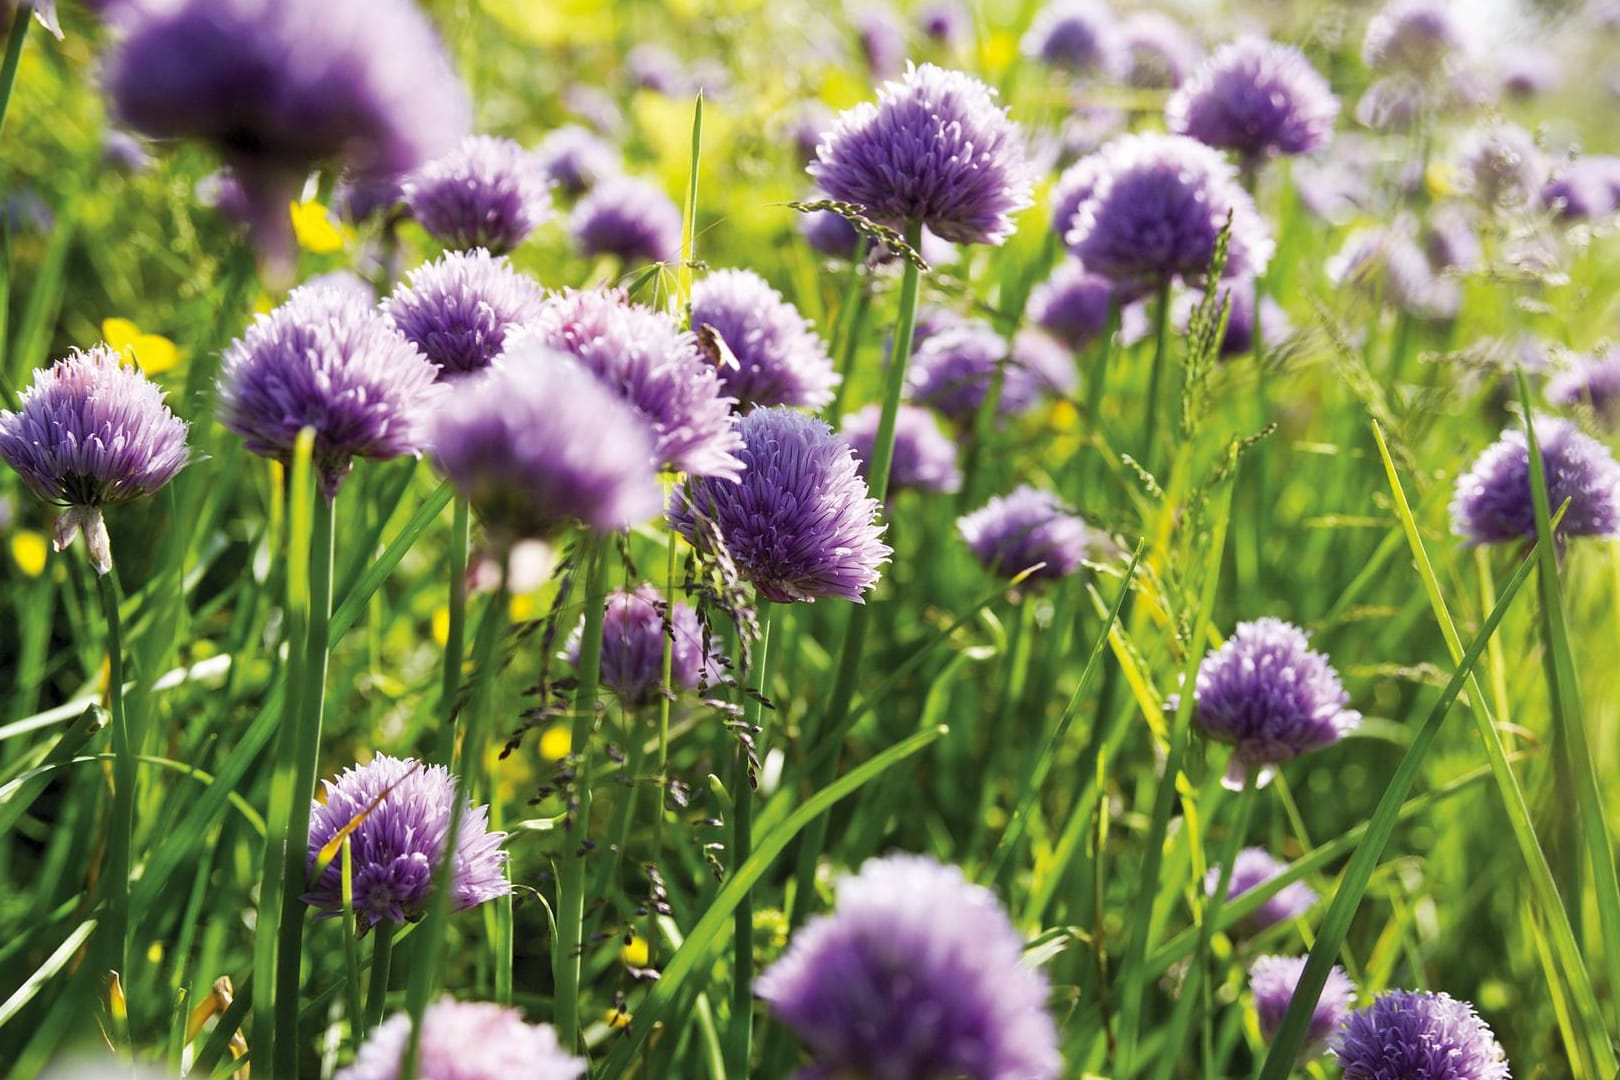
(630, 219)
(222, 192)
(800, 524)
(460, 309)
(1078, 37)
(780, 358)
(576, 159)
(829, 234)
(1392, 104)
(916, 973)
(1450, 241)
(1272, 979)
(1501, 165)
(465, 1041)
(1253, 868)
(405, 808)
(806, 127)
(655, 366)
(1384, 263)
(1014, 532)
(1157, 52)
(1256, 98)
(653, 67)
(951, 373)
(883, 41)
(1269, 695)
(924, 456)
(1587, 187)
(90, 433)
(935, 149)
(361, 198)
(1047, 367)
(1414, 37)
(634, 633)
(1072, 305)
(486, 193)
(1413, 1033)
(1493, 504)
(945, 22)
(124, 153)
(327, 360)
(1073, 187)
(1593, 381)
(1528, 72)
(1239, 339)
(1156, 210)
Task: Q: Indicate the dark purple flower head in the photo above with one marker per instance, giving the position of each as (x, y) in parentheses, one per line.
(829, 234)
(360, 198)
(327, 360)
(1079, 37)
(576, 159)
(405, 808)
(951, 372)
(634, 633)
(917, 974)
(935, 149)
(1158, 205)
(780, 358)
(1592, 381)
(460, 309)
(89, 433)
(882, 38)
(630, 219)
(800, 523)
(1414, 37)
(1157, 51)
(1239, 299)
(1587, 187)
(486, 193)
(1501, 165)
(1014, 532)
(946, 22)
(465, 1041)
(645, 358)
(924, 456)
(1493, 503)
(1272, 979)
(1256, 98)
(1253, 868)
(537, 443)
(1268, 694)
(1405, 1034)
(1073, 187)
(1072, 305)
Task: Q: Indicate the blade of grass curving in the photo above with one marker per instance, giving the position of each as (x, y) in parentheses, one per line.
(19, 792)
(354, 601)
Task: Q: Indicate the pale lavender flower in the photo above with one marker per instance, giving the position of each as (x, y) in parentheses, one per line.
(124, 153)
(1493, 502)
(1256, 98)
(465, 1041)
(800, 523)
(924, 456)
(576, 159)
(1593, 381)
(1045, 366)
(486, 193)
(780, 360)
(1529, 71)
(808, 124)
(1415, 37)
(220, 191)
(1501, 165)
(946, 22)
(1272, 697)
(654, 67)
(1239, 337)
(882, 39)
(326, 360)
(634, 634)
(1587, 187)
(1073, 187)
(630, 219)
(1385, 264)
(459, 309)
(1072, 305)
(1157, 52)
(916, 974)
(403, 808)
(1273, 979)
(1025, 528)
(88, 433)
(346, 281)
(935, 150)
(1253, 868)
(1392, 104)
(1414, 1033)
(1079, 37)
(1450, 240)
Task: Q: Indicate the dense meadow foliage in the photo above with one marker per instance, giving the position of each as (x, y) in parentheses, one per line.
(973, 539)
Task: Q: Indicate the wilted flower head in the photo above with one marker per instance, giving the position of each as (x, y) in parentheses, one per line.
(327, 360)
(634, 633)
(1253, 868)
(1269, 695)
(643, 356)
(1157, 53)
(1409, 1033)
(916, 974)
(1074, 36)
(1026, 527)
(1587, 187)
(1415, 37)
(1072, 305)
(465, 1041)
(1593, 381)
(1256, 98)
(934, 149)
(536, 443)
(486, 193)
(1501, 165)
(924, 457)
(576, 158)
(88, 433)
(628, 218)
(460, 309)
(403, 810)
(1272, 979)
(800, 523)
(780, 358)
(1493, 502)
(951, 372)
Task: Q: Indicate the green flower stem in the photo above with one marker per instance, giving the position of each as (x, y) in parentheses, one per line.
(847, 327)
(666, 699)
(1156, 379)
(14, 46)
(740, 1037)
(115, 928)
(382, 959)
(352, 1007)
(456, 638)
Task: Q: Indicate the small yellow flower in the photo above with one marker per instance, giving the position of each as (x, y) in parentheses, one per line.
(1440, 180)
(315, 229)
(1065, 417)
(28, 549)
(556, 742)
(998, 51)
(441, 626)
(152, 353)
(521, 608)
(616, 1018)
(635, 953)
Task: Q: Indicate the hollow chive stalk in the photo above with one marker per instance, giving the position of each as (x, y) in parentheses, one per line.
(116, 928)
(1161, 348)
(455, 641)
(740, 1040)
(14, 46)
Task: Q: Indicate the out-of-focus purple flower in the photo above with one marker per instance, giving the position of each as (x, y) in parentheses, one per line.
(808, 124)
(1087, 127)
(1337, 186)
(1049, 365)
(1386, 264)
(629, 218)
(1073, 187)
(576, 159)
(917, 973)
(946, 22)
(346, 281)
(1157, 51)
(1156, 210)
(222, 192)
(596, 107)
(654, 67)
(924, 456)
(644, 357)
(1078, 37)
(459, 309)
(780, 359)
(634, 633)
(360, 198)
(1272, 697)
(1392, 104)
(1273, 979)
(934, 149)
(1239, 339)
(1450, 240)
(829, 234)
(403, 809)
(1493, 504)
(1256, 98)
(123, 152)
(951, 372)
(1587, 187)
(537, 443)
(1409, 1033)
(800, 523)
(465, 1041)
(1501, 165)
(1593, 381)
(326, 360)
(1024, 528)
(1253, 868)
(1528, 72)
(883, 41)
(1072, 305)
(1415, 37)
(486, 193)
(89, 433)
(44, 13)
